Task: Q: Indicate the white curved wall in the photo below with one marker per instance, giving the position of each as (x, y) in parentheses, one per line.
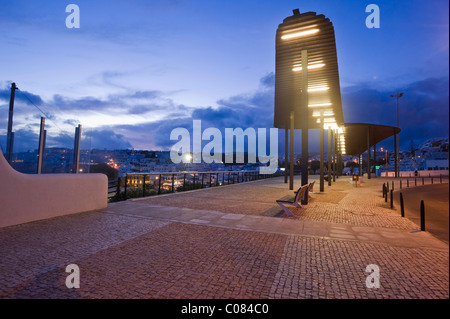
(30, 197)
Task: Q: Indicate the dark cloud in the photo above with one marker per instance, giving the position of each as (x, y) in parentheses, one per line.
(268, 80)
(423, 110)
(20, 96)
(105, 139)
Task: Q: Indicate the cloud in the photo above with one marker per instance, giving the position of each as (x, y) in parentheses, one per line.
(20, 96)
(423, 114)
(105, 139)
(423, 110)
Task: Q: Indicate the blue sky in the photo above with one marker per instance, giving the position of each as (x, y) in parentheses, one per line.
(135, 70)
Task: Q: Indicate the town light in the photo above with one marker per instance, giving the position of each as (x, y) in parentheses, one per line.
(316, 65)
(318, 88)
(319, 105)
(299, 34)
(324, 113)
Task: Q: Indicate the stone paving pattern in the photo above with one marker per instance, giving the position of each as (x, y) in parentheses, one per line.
(219, 243)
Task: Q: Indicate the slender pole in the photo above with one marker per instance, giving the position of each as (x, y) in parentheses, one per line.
(334, 155)
(375, 157)
(368, 153)
(10, 133)
(398, 140)
(304, 119)
(322, 155)
(395, 158)
(329, 157)
(286, 153)
(41, 146)
(291, 151)
(76, 149)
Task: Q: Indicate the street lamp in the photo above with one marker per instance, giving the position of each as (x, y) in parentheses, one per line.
(397, 140)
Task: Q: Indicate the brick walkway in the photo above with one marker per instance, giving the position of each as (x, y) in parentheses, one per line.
(222, 243)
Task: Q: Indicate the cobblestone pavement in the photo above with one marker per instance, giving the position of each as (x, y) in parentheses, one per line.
(162, 248)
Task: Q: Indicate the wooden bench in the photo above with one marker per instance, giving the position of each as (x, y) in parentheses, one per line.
(296, 202)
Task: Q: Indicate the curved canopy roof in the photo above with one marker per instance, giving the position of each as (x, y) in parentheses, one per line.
(360, 136)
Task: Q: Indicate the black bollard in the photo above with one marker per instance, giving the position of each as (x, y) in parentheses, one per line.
(402, 206)
(422, 216)
(407, 183)
(392, 185)
(392, 199)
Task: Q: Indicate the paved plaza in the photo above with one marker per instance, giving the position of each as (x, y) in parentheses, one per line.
(229, 242)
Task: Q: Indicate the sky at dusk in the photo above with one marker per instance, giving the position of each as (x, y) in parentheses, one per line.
(135, 70)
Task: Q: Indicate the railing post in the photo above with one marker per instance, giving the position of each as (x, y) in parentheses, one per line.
(173, 182)
(126, 186)
(402, 206)
(118, 189)
(422, 215)
(392, 185)
(440, 178)
(159, 184)
(415, 181)
(400, 184)
(184, 181)
(431, 180)
(193, 186)
(423, 180)
(143, 185)
(407, 183)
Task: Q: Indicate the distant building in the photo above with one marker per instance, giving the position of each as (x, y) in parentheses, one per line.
(434, 165)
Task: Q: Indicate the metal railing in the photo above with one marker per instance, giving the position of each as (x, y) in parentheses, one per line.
(133, 185)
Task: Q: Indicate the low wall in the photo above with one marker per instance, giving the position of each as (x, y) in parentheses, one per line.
(433, 173)
(30, 197)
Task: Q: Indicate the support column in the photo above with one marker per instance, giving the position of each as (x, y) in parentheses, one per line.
(304, 120)
(360, 165)
(334, 156)
(338, 150)
(395, 157)
(291, 151)
(322, 155)
(368, 153)
(329, 157)
(375, 158)
(286, 152)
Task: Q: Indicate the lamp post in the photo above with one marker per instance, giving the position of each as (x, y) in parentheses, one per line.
(397, 147)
